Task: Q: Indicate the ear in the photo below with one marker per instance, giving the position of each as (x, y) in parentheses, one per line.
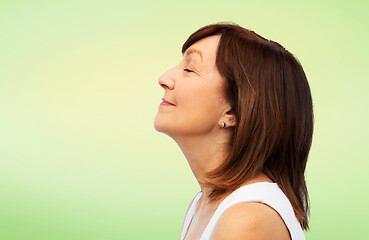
(229, 117)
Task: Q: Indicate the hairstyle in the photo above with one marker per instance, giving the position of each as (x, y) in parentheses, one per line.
(270, 96)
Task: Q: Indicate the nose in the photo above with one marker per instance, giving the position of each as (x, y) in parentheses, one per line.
(166, 80)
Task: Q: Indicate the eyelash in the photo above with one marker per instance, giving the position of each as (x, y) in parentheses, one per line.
(187, 70)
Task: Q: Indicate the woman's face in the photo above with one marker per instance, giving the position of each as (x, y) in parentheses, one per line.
(195, 89)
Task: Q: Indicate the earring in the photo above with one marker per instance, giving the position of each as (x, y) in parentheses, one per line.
(222, 124)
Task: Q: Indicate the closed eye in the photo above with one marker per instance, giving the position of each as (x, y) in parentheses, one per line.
(187, 70)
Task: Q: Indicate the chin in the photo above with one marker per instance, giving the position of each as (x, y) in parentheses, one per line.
(160, 125)
(165, 127)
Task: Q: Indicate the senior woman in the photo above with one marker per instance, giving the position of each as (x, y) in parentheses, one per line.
(239, 106)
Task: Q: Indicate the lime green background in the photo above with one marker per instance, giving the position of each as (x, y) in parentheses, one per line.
(79, 157)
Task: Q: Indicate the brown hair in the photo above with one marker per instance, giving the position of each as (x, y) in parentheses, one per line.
(270, 96)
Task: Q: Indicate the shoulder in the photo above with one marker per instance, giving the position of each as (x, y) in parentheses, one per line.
(250, 220)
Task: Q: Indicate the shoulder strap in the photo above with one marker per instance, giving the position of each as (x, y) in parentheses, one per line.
(263, 192)
(190, 214)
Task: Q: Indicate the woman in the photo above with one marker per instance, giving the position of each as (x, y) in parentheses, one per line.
(239, 107)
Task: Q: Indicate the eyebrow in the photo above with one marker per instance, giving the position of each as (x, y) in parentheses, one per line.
(193, 50)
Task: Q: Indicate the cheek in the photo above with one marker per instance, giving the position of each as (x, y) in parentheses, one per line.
(200, 101)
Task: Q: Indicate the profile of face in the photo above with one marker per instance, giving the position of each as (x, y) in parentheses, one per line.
(195, 91)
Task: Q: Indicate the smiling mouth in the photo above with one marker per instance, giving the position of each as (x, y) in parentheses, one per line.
(166, 103)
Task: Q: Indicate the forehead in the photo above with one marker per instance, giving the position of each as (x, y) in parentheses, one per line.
(206, 48)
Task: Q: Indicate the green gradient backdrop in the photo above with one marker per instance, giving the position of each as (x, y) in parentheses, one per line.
(79, 157)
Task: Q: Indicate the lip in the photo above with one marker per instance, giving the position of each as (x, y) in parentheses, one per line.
(166, 102)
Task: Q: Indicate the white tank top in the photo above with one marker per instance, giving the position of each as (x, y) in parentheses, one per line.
(263, 192)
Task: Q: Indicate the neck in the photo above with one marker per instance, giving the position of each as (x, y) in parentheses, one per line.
(204, 153)
(206, 201)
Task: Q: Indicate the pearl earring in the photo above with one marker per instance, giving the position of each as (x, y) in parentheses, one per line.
(222, 124)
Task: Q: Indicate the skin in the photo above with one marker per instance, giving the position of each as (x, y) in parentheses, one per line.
(200, 107)
(250, 221)
(195, 87)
